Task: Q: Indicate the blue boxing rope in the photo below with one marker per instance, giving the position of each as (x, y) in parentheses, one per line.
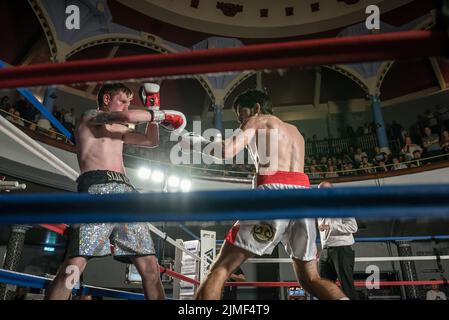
(429, 201)
(32, 281)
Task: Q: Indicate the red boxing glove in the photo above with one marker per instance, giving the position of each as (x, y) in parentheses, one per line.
(150, 96)
(169, 119)
(173, 120)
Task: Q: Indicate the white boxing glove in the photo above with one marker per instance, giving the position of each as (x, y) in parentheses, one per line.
(150, 96)
(192, 141)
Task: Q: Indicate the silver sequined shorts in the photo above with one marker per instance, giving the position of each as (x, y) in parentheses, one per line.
(123, 240)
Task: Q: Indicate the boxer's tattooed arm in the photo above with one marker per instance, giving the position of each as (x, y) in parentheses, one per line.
(104, 118)
(99, 117)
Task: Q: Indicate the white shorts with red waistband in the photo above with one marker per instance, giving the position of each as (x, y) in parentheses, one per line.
(261, 237)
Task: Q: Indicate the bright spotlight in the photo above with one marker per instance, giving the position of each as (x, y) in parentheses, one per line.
(144, 173)
(186, 185)
(157, 176)
(173, 181)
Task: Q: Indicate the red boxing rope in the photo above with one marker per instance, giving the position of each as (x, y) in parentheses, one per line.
(182, 277)
(356, 283)
(176, 275)
(388, 46)
(58, 228)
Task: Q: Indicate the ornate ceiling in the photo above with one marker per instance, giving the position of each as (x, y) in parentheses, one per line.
(147, 25)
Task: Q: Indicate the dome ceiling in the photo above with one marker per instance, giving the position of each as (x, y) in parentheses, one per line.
(262, 18)
(27, 45)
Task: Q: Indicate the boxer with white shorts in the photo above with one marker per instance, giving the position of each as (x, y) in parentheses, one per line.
(283, 169)
(261, 237)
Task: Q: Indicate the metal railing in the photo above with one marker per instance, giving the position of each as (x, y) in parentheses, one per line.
(374, 169)
(33, 126)
(319, 147)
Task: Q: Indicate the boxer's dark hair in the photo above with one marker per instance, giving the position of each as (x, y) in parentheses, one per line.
(112, 89)
(249, 98)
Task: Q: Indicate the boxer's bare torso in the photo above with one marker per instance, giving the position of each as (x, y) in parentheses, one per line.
(100, 147)
(290, 143)
(100, 135)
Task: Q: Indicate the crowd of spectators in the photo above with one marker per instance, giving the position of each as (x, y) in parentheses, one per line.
(22, 113)
(426, 141)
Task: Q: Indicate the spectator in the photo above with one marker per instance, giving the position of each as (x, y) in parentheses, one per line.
(435, 293)
(442, 113)
(379, 156)
(331, 172)
(43, 124)
(444, 141)
(381, 167)
(314, 172)
(337, 256)
(339, 164)
(417, 159)
(21, 106)
(4, 103)
(69, 120)
(431, 141)
(28, 113)
(417, 128)
(57, 114)
(359, 154)
(349, 169)
(431, 120)
(10, 116)
(409, 148)
(367, 166)
(398, 165)
(397, 130)
(18, 119)
(348, 157)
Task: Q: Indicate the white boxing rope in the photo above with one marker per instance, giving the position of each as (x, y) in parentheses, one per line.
(165, 237)
(361, 259)
(173, 242)
(35, 148)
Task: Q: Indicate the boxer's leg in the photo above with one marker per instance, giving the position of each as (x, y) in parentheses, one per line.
(229, 259)
(148, 268)
(67, 276)
(309, 278)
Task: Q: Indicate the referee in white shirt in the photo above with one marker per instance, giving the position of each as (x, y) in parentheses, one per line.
(337, 256)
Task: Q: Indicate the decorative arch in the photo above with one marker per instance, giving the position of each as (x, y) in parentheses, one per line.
(386, 66)
(241, 78)
(342, 70)
(47, 27)
(149, 41)
(236, 82)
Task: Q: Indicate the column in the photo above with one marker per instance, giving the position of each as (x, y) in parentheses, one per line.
(379, 122)
(408, 270)
(12, 256)
(218, 117)
(259, 84)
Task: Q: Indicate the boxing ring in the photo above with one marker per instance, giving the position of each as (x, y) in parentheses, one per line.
(56, 210)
